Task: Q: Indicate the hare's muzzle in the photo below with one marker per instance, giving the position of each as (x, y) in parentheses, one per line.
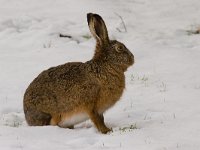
(131, 58)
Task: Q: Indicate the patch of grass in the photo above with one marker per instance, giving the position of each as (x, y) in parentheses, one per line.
(128, 128)
(163, 87)
(48, 45)
(195, 30)
(124, 29)
(87, 36)
(142, 79)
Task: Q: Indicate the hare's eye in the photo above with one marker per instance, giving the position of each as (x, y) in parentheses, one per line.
(119, 48)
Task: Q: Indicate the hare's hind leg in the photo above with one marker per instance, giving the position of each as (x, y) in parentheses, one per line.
(55, 120)
(37, 118)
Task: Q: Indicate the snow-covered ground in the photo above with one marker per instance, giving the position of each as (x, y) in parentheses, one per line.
(160, 108)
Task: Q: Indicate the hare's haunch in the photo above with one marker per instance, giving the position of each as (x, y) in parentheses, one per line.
(74, 92)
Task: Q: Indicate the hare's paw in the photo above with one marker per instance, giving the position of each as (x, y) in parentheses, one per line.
(106, 130)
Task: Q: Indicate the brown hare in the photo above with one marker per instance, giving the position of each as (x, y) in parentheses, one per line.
(74, 92)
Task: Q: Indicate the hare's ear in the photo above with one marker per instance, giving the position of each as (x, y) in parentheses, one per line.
(98, 28)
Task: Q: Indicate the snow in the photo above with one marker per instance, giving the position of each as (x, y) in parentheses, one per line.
(160, 108)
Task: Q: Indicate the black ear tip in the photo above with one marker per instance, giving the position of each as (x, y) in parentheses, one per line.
(89, 15)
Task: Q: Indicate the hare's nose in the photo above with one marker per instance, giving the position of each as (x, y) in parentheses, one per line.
(132, 57)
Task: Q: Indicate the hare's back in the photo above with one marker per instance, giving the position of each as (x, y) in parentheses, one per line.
(63, 75)
(60, 78)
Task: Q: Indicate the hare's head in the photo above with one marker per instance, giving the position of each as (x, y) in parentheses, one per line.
(112, 51)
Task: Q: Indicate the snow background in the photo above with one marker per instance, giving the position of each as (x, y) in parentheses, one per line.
(160, 108)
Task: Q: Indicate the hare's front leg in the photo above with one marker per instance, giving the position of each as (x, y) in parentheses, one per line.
(98, 121)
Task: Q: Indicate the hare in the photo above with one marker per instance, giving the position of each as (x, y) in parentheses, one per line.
(75, 92)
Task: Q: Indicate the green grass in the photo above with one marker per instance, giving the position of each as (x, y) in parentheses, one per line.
(128, 128)
(87, 36)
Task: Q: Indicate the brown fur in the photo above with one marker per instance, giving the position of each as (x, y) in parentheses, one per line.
(91, 87)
